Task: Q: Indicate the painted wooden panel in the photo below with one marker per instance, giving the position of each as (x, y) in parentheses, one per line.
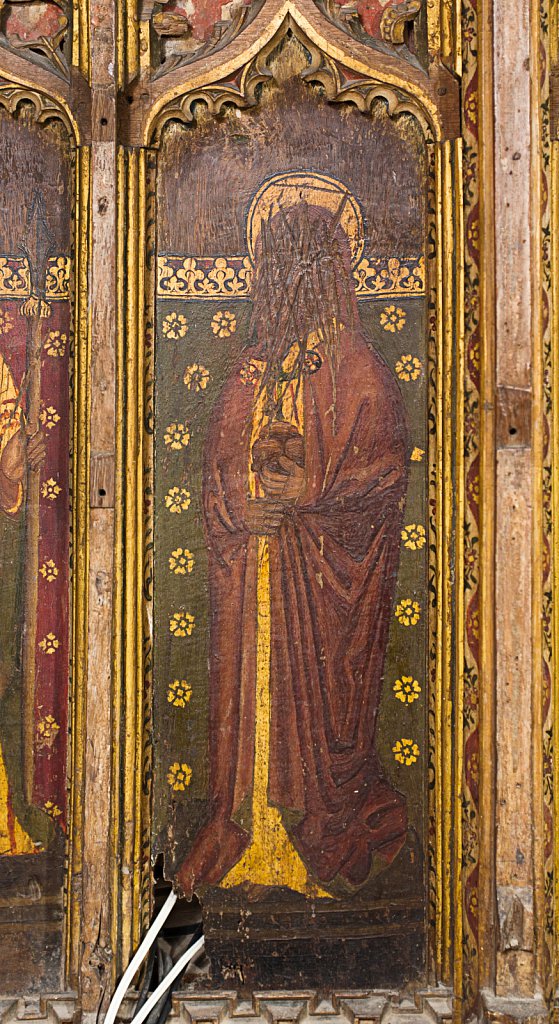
(290, 554)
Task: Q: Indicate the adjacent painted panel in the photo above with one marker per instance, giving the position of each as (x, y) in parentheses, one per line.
(35, 378)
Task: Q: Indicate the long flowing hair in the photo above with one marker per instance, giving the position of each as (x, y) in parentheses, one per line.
(303, 283)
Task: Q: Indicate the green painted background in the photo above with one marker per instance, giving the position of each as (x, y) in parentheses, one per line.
(181, 734)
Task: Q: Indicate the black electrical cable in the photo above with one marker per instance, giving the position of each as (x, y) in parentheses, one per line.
(146, 980)
(168, 998)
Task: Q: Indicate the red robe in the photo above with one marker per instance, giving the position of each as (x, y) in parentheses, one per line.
(333, 568)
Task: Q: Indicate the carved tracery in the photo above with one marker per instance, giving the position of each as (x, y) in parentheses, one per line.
(37, 31)
(339, 85)
(183, 33)
(381, 22)
(25, 101)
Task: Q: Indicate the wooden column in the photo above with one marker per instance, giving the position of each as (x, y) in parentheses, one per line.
(96, 980)
(518, 660)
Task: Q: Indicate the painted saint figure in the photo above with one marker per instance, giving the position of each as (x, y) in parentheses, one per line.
(304, 482)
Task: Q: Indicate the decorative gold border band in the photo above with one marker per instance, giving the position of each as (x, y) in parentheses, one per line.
(15, 280)
(219, 277)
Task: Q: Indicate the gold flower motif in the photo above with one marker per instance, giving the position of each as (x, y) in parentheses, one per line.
(393, 318)
(474, 625)
(52, 810)
(177, 436)
(55, 345)
(181, 561)
(473, 489)
(408, 367)
(179, 776)
(49, 644)
(408, 612)
(50, 489)
(47, 731)
(250, 372)
(473, 768)
(48, 570)
(175, 326)
(473, 234)
(196, 377)
(413, 536)
(224, 324)
(177, 499)
(471, 108)
(179, 693)
(405, 751)
(417, 455)
(181, 624)
(6, 322)
(470, 557)
(474, 355)
(406, 689)
(49, 417)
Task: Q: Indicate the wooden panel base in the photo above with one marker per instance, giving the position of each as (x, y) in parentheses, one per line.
(31, 923)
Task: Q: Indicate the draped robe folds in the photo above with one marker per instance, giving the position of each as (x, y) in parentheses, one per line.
(333, 567)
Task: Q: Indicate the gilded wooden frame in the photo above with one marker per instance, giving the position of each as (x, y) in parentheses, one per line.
(150, 105)
(460, 38)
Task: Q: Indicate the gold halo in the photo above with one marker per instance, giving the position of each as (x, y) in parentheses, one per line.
(288, 188)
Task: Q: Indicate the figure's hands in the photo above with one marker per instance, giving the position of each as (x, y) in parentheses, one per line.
(285, 484)
(264, 517)
(22, 449)
(36, 449)
(12, 462)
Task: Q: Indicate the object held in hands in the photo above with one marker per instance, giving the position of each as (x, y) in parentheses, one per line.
(279, 439)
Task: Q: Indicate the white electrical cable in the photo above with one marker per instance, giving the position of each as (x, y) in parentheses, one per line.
(139, 955)
(168, 980)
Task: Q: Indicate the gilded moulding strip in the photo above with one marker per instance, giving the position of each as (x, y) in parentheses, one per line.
(444, 32)
(442, 483)
(81, 47)
(127, 814)
(219, 277)
(447, 496)
(130, 828)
